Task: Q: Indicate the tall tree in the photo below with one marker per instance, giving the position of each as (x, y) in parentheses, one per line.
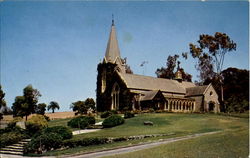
(236, 84)
(2, 101)
(41, 108)
(53, 105)
(169, 73)
(82, 107)
(210, 52)
(26, 104)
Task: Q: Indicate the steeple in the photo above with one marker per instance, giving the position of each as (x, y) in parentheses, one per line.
(178, 74)
(112, 51)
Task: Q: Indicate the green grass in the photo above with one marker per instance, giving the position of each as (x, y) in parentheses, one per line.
(169, 123)
(222, 145)
(180, 124)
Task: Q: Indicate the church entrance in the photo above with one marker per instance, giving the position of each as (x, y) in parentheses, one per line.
(211, 106)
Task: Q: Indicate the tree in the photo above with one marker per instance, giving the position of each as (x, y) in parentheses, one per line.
(2, 101)
(235, 84)
(89, 102)
(169, 73)
(41, 108)
(82, 107)
(53, 105)
(210, 52)
(26, 104)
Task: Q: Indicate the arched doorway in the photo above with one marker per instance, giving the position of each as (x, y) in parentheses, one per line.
(211, 106)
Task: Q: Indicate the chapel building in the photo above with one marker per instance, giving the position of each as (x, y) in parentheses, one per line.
(118, 90)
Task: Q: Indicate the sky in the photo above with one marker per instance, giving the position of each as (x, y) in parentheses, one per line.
(55, 45)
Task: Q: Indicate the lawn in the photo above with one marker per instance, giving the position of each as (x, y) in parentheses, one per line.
(180, 124)
(222, 145)
(170, 123)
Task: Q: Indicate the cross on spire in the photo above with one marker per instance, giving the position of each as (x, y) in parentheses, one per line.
(113, 23)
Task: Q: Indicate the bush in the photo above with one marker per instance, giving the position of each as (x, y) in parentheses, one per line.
(106, 114)
(10, 138)
(36, 123)
(71, 143)
(44, 142)
(47, 118)
(81, 122)
(113, 120)
(128, 114)
(64, 132)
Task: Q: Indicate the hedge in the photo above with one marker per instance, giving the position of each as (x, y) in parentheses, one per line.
(71, 143)
(44, 142)
(113, 120)
(128, 114)
(81, 122)
(63, 131)
(10, 138)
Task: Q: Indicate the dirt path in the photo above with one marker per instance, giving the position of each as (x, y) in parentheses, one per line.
(139, 147)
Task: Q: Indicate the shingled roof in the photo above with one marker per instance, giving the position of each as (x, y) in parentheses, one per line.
(198, 90)
(149, 95)
(140, 82)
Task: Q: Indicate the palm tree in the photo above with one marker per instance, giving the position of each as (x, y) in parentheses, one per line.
(53, 105)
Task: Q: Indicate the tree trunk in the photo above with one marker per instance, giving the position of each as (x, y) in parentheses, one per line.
(53, 110)
(26, 117)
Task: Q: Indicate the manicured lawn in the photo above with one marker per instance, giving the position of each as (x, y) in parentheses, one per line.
(228, 144)
(180, 124)
(170, 123)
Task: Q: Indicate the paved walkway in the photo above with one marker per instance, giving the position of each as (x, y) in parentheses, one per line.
(87, 130)
(139, 147)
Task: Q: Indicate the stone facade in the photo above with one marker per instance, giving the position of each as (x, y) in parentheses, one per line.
(117, 90)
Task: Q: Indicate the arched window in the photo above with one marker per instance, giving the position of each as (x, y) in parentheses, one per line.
(103, 81)
(115, 97)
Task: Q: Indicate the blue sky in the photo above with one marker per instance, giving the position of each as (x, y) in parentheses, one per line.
(56, 46)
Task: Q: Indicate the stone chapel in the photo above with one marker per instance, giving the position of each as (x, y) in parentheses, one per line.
(118, 90)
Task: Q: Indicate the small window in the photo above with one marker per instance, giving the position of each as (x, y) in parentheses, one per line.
(211, 93)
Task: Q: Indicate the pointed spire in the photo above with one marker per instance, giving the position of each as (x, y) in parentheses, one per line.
(112, 51)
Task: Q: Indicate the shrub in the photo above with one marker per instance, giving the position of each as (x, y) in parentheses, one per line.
(151, 110)
(10, 138)
(112, 121)
(64, 132)
(47, 118)
(114, 111)
(36, 123)
(44, 142)
(106, 114)
(128, 114)
(81, 121)
(71, 143)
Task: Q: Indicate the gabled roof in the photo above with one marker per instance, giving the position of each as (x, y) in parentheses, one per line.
(140, 82)
(149, 95)
(112, 50)
(198, 90)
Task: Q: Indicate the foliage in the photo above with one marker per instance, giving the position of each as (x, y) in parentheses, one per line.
(53, 105)
(113, 120)
(129, 114)
(106, 114)
(235, 83)
(169, 73)
(84, 142)
(210, 52)
(82, 107)
(44, 142)
(81, 122)
(26, 104)
(41, 108)
(2, 101)
(63, 131)
(36, 123)
(10, 138)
